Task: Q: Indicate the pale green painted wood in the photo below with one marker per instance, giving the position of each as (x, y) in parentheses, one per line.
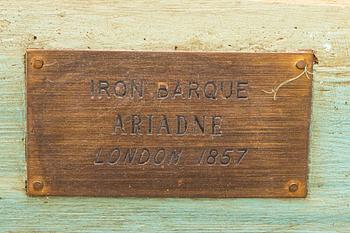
(190, 25)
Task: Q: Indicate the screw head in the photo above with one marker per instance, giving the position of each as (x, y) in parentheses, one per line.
(301, 64)
(293, 187)
(38, 63)
(38, 185)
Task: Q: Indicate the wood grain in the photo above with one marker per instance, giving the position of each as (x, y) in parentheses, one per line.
(193, 26)
(167, 124)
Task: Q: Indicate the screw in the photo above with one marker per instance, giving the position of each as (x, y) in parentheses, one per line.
(38, 185)
(301, 64)
(38, 63)
(293, 187)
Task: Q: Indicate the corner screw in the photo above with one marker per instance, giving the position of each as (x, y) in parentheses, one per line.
(293, 187)
(38, 185)
(301, 64)
(38, 63)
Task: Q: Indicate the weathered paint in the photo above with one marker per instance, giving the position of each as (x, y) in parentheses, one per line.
(187, 25)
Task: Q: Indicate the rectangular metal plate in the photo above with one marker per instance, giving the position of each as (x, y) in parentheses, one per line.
(167, 124)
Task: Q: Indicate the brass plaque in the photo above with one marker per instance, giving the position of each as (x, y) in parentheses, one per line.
(167, 124)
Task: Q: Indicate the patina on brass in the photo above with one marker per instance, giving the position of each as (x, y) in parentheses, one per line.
(167, 124)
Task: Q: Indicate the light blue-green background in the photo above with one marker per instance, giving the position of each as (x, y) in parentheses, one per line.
(222, 25)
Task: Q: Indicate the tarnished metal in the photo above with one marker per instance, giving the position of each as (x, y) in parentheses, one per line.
(167, 124)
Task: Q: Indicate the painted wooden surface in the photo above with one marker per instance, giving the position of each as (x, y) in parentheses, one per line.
(183, 25)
